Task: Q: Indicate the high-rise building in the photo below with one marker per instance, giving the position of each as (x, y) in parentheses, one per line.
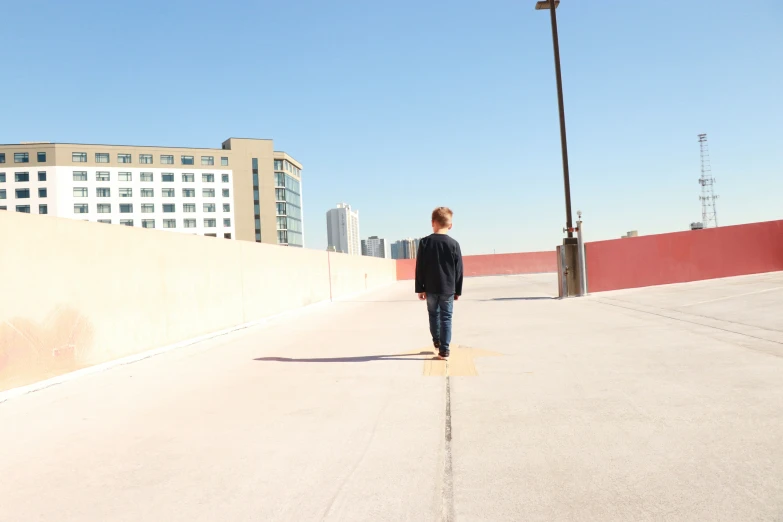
(243, 190)
(375, 246)
(342, 229)
(405, 249)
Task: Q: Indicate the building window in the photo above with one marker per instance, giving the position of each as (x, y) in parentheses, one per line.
(42, 176)
(168, 193)
(226, 207)
(104, 192)
(43, 209)
(3, 207)
(2, 157)
(208, 178)
(126, 222)
(2, 177)
(169, 223)
(104, 208)
(147, 208)
(226, 222)
(188, 178)
(209, 207)
(125, 176)
(224, 162)
(21, 157)
(22, 193)
(2, 194)
(80, 192)
(282, 222)
(224, 178)
(21, 176)
(124, 158)
(207, 160)
(147, 193)
(188, 193)
(101, 157)
(282, 237)
(126, 192)
(189, 207)
(126, 208)
(187, 160)
(147, 223)
(208, 193)
(24, 209)
(146, 176)
(281, 209)
(280, 194)
(102, 176)
(225, 193)
(166, 159)
(258, 237)
(106, 221)
(167, 177)
(278, 164)
(169, 208)
(79, 157)
(189, 223)
(42, 192)
(79, 175)
(41, 157)
(279, 179)
(145, 159)
(80, 208)
(210, 223)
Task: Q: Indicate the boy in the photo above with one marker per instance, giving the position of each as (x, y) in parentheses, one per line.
(439, 277)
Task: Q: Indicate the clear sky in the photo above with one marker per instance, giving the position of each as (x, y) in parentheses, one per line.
(398, 107)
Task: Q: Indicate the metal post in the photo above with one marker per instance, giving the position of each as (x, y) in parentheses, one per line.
(561, 107)
(582, 261)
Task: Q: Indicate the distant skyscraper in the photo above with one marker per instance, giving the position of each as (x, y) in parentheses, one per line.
(405, 249)
(342, 229)
(375, 246)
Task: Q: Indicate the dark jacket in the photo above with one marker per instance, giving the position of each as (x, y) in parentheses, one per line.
(439, 265)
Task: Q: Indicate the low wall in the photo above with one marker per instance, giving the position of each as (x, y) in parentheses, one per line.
(75, 294)
(493, 264)
(684, 256)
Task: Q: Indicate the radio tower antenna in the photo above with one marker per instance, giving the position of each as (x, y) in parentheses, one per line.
(709, 214)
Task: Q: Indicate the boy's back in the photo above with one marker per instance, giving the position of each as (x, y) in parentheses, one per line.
(439, 277)
(439, 265)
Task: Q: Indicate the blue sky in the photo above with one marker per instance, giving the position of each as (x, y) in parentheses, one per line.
(398, 107)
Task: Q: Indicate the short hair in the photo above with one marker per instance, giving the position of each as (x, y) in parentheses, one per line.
(442, 216)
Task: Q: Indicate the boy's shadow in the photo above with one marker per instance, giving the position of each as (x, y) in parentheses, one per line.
(365, 358)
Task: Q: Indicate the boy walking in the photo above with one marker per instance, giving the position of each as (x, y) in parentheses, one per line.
(439, 277)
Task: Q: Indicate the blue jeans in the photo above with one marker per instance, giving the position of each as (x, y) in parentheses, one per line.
(440, 308)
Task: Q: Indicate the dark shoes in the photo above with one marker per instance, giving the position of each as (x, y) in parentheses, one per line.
(441, 355)
(436, 344)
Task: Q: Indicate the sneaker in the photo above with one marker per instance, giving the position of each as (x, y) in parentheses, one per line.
(442, 355)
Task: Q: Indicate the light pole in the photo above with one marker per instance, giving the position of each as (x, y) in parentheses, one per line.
(542, 5)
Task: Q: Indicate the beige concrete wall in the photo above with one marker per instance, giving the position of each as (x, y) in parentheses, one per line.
(75, 294)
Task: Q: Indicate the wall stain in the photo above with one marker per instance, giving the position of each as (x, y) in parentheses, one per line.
(31, 352)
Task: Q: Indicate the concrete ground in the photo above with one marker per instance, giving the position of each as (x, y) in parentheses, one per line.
(652, 404)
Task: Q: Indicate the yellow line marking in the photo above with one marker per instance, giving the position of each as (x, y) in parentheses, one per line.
(460, 364)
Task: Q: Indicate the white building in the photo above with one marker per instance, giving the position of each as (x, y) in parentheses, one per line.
(342, 229)
(245, 190)
(375, 246)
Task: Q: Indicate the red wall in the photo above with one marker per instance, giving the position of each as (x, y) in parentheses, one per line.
(493, 264)
(684, 256)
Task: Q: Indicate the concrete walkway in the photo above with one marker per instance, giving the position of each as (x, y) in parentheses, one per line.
(651, 404)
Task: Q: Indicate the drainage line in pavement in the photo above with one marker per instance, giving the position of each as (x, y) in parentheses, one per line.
(448, 478)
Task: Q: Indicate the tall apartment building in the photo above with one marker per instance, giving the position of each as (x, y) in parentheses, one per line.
(342, 229)
(243, 190)
(375, 246)
(405, 249)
